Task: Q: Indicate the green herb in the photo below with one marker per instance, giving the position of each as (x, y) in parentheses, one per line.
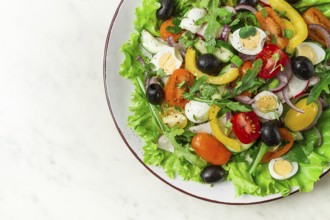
(264, 13)
(195, 88)
(249, 80)
(288, 33)
(214, 18)
(273, 38)
(244, 18)
(262, 150)
(323, 72)
(176, 28)
(187, 39)
(182, 84)
(236, 61)
(207, 91)
(248, 31)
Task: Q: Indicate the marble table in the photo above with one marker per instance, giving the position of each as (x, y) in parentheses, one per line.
(61, 157)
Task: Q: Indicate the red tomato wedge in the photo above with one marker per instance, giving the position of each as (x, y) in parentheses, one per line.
(177, 84)
(210, 149)
(246, 127)
(273, 59)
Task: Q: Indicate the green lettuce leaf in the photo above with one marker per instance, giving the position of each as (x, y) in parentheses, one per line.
(146, 17)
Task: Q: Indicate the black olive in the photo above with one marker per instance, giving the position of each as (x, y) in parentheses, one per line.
(213, 173)
(292, 1)
(247, 2)
(209, 64)
(302, 67)
(270, 134)
(166, 9)
(155, 94)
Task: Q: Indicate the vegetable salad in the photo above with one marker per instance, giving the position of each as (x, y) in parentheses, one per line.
(232, 90)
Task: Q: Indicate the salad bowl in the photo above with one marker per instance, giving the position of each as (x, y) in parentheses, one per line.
(119, 94)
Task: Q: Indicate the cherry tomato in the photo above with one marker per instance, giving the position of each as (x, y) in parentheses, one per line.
(246, 127)
(210, 149)
(164, 33)
(273, 59)
(177, 84)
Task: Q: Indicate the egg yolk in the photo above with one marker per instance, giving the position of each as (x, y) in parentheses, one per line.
(308, 52)
(283, 167)
(266, 103)
(167, 62)
(251, 42)
(296, 121)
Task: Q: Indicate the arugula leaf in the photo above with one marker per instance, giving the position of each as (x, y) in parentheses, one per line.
(249, 80)
(214, 12)
(323, 72)
(195, 88)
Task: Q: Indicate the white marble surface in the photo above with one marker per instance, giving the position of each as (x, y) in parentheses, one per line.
(61, 157)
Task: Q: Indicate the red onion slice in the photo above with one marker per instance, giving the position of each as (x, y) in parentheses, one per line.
(246, 7)
(244, 99)
(246, 57)
(287, 100)
(324, 103)
(225, 33)
(322, 31)
(278, 88)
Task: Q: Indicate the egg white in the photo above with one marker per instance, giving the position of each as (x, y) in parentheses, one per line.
(197, 112)
(236, 43)
(188, 23)
(275, 175)
(169, 65)
(319, 52)
(272, 115)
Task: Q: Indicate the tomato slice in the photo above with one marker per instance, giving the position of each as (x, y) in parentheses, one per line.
(269, 21)
(273, 59)
(164, 33)
(285, 134)
(246, 127)
(210, 149)
(177, 84)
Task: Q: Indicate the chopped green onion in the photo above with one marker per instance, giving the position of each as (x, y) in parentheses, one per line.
(288, 33)
(237, 61)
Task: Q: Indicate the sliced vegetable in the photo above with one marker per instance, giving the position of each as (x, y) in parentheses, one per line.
(230, 143)
(269, 21)
(246, 127)
(301, 31)
(313, 16)
(165, 33)
(273, 60)
(210, 149)
(176, 85)
(222, 79)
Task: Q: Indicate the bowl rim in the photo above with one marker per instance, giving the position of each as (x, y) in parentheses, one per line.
(106, 48)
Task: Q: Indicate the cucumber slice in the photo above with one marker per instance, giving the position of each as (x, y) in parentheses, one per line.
(150, 43)
(223, 54)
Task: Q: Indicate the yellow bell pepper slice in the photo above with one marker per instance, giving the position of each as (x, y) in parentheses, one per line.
(223, 79)
(300, 27)
(230, 143)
